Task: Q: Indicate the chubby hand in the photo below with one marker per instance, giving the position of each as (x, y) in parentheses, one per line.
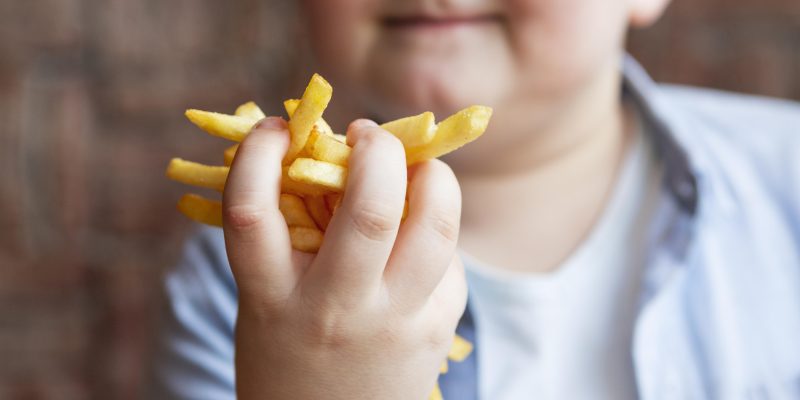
(373, 313)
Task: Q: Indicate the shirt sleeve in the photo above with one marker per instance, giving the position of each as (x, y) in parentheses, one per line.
(195, 339)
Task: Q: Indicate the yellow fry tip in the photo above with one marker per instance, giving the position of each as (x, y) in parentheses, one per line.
(192, 113)
(320, 79)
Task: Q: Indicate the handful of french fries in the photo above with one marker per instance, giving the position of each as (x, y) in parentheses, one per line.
(315, 166)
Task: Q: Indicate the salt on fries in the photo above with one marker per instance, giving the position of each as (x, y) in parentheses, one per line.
(314, 170)
(315, 165)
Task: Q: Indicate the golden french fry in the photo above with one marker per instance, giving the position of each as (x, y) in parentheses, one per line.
(229, 153)
(305, 239)
(201, 209)
(414, 131)
(196, 174)
(322, 174)
(327, 148)
(436, 394)
(289, 185)
(322, 126)
(312, 139)
(226, 126)
(443, 368)
(452, 133)
(332, 201)
(314, 171)
(319, 211)
(460, 349)
(294, 211)
(250, 110)
(290, 105)
(313, 103)
(304, 153)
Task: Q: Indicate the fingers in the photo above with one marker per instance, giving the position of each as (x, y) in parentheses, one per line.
(361, 234)
(427, 239)
(256, 236)
(449, 298)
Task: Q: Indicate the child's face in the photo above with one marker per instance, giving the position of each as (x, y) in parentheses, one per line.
(400, 57)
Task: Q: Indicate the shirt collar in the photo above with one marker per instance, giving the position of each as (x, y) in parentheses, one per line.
(680, 179)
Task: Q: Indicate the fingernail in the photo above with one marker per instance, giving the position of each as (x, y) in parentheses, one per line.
(271, 123)
(364, 123)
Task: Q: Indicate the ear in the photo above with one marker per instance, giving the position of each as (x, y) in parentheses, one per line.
(643, 13)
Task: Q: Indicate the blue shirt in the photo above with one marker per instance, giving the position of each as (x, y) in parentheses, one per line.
(719, 312)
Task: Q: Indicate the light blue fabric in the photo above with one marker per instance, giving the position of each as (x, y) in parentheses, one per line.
(720, 309)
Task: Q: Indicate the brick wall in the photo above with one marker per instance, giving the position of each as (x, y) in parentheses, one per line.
(750, 46)
(90, 100)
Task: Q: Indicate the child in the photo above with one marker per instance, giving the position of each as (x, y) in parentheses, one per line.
(620, 239)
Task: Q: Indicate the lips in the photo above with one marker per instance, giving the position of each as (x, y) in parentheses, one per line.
(435, 22)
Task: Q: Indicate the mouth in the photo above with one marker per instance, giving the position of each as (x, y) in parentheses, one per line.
(428, 22)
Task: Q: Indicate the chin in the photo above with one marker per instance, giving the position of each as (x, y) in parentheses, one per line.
(442, 91)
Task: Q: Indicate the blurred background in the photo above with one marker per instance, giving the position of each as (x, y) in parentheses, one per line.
(91, 101)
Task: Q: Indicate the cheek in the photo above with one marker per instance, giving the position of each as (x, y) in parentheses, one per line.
(562, 42)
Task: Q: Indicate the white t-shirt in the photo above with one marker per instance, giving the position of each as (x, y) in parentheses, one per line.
(567, 334)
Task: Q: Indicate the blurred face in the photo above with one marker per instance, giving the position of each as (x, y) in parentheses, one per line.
(394, 58)
(403, 56)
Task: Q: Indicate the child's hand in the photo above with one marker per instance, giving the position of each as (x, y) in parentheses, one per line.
(373, 314)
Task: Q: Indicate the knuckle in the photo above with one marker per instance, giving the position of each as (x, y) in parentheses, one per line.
(389, 334)
(243, 216)
(445, 224)
(440, 335)
(373, 221)
(329, 329)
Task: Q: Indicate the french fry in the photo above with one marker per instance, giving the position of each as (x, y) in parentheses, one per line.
(327, 148)
(443, 368)
(315, 167)
(313, 103)
(226, 126)
(332, 201)
(290, 105)
(229, 154)
(196, 174)
(414, 131)
(294, 211)
(305, 239)
(289, 185)
(312, 139)
(460, 349)
(330, 177)
(250, 110)
(436, 394)
(452, 133)
(201, 209)
(322, 126)
(319, 211)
